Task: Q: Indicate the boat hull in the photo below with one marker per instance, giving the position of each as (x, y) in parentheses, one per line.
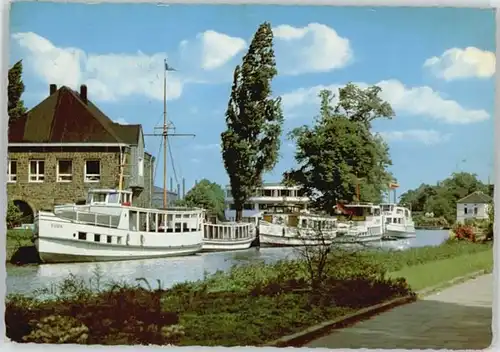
(400, 231)
(356, 239)
(59, 240)
(214, 245)
(267, 240)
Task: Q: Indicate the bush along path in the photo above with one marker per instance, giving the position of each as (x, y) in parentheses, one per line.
(248, 305)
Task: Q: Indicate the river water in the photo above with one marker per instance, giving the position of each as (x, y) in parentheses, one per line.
(25, 279)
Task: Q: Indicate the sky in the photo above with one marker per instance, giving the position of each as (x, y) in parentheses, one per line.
(435, 67)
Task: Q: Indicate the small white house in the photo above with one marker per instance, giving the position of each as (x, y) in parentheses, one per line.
(473, 206)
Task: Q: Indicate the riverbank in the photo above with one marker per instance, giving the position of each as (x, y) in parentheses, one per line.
(248, 305)
(18, 245)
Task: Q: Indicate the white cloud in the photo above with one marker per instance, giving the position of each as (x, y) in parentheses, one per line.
(211, 50)
(211, 146)
(459, 63)
(108, 76)
(313, 48)
(121, 121)
(427, 137)
(418, 101)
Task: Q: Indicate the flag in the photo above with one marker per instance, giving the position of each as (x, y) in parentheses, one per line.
(168, 68)
(393, 185)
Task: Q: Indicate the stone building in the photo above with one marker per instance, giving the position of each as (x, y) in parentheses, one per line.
(66, 145)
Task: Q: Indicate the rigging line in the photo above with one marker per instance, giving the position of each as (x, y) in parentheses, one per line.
(172, 158)
(157, 156)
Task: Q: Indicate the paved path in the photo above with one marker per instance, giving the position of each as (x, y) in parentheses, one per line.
(458, 317)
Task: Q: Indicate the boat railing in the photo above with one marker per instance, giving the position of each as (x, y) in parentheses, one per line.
(228, 230)
(90, 218)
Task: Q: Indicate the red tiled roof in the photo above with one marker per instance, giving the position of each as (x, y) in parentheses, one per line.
(64, 117)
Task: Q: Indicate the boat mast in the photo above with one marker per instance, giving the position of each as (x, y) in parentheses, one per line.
(165, 131)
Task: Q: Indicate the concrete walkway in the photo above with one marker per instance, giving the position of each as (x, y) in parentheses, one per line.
(458, 317)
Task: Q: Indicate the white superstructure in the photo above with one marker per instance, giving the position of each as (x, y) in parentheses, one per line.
(398, 221)
(360, 223)
(271, 197)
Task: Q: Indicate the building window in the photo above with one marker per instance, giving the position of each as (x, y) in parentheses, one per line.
(64, 171)
(475, 210)
(465, 210)
(12, 171)
(36, 171)
(141, 167)
(92, 171)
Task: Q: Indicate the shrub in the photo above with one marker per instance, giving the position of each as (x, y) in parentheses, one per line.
(464, 232)
(58, 329)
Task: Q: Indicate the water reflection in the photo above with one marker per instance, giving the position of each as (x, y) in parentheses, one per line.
(174, 270)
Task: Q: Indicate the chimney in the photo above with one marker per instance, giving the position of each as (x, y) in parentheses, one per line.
(183, 188)
(83, 93)
(52, 89)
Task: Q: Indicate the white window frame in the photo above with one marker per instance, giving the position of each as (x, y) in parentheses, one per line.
(64, 178)
(92, 178)
(140, 170)
(11, 178)
(37, 177)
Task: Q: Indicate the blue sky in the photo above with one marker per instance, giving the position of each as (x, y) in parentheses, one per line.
(434, 65)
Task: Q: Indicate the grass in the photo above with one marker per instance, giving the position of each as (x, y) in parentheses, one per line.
(437, 272)
(17, 239)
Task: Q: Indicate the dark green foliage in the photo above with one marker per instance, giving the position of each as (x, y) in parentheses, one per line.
(250, 145)
(339, 150)
(15, 89)
(207, 195)
(442, 198)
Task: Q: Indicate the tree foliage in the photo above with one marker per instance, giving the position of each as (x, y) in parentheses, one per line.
(207, 195)
(254, 119)
(441, 199)
(16, 107)
(339, 150)
(13, 216)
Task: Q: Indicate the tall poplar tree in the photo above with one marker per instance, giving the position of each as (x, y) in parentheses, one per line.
(254, 119)
(15, 89)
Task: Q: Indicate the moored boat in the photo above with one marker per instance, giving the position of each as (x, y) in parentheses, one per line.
(359, 223)
(108, 227)
(398, 222)
(296, 229)
(228, 236)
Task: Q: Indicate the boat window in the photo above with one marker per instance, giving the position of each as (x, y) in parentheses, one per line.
(89, 198)
(133, 221)
(97, 238)
(113, 198)
(99, 197)
(143, 221)
(82, 236)
(399, 211)
(386, 207)
(109, 239)
(376, 211)
(119, 240)
(407, 213)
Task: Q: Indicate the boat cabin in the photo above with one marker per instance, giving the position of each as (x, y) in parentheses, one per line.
(109, 197)
(394, 213)
(304, 221)
(362, 212)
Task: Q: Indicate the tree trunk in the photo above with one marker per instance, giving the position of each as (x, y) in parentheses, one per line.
(239, 214)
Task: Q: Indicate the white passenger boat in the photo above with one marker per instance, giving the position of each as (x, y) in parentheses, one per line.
(398, 222)
(359, 223)
(108, 227)
(296, 229)
(228, 236)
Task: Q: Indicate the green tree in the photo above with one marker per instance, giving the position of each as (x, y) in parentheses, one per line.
(339, 150)
(251, 142)
(15, 90)
(207, 195)
(13, 216)
(442, 198)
